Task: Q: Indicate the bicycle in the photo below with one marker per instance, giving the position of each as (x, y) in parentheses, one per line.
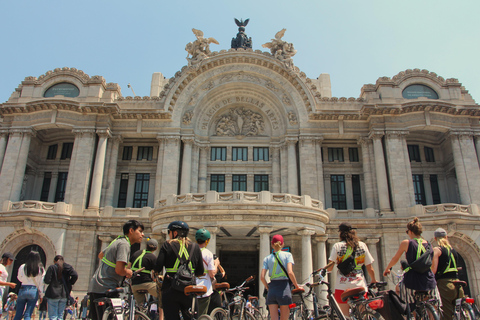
(463, 306)
(300, 310)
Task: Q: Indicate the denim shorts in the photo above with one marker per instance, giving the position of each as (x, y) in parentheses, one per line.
(279, 293)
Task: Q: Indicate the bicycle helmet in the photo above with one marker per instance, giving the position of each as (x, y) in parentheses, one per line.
(202, 235)
(179, 226)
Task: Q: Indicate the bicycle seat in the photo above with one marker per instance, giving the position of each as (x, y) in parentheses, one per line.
(198, 290)
(459, 283)
(352, 293)
(113, 293)
(298, 291)
(222, 286)
(141, 291)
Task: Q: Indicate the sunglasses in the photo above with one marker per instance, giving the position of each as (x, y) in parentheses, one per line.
(407, 231)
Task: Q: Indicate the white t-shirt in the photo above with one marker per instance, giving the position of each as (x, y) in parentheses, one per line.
(356, 277)
(3, 274)
(208, 264)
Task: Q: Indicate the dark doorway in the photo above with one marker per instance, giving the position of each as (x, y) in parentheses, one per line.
(21, 258)
(462, 274)
(239, 265)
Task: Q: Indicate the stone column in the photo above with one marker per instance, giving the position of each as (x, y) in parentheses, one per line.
(308, 166)
(130, 189)
(195, 165)
(202, 169)
(477, 145)
(372, 247)
(322, 255)
(472, 169)
(460, 170)
(263, 252)
(170, 166)
(349, 191)
(80, 169)
(428, 189)
(292, 166)
(318, 159)
(53, 186)
(250, 182)
(158, 174)
(3, 145)
(276, 175)
(186, 165)
(307, 263)
(112, 171)
(21, 165)
(382, 184)
(99, 169)
(105, 241)
(368, 181)
(212, 245)
(284, 169)
(328, 191)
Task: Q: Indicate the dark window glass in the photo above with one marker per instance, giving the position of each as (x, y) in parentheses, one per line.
(353, 154)
(414, 153)
(61, 186)
(62, 89)
(239, 182)
(335, 154)
(260, 182)
(239, 153)
(435, 189)
(140, 196)
(218, 153)
(127, 153)
(260, 154)
(217, 182)
(52, 152)
(429, 155)
(66, 150)
(47, 179)
(415, 91)
(419, 189)
(357, 193)
(122, 192)
(339, 199)
(145, 153)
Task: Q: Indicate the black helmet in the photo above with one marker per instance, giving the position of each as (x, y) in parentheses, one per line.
(178, 226)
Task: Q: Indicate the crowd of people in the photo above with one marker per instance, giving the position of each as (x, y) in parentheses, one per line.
(50, 289)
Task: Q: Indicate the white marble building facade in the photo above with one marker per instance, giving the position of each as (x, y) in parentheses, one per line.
(242, 143)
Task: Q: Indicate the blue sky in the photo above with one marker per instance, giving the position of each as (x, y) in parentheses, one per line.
(356, 42)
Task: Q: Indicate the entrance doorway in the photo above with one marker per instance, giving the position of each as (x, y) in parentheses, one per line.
(239, 265)
(463, 274)
(21, 258)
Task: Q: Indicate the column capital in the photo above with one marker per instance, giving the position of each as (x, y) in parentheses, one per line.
(376, 134)
(105, 133)
(105, 238)
(461, 134)
(396, 133)
(212, 229)
(188, 140)
(83, 131)
(162, 137)
(372, 240)
(321, 238)
(264, 229)
(23, 131)
(3, 132)
(306, 232)
(363, 141)
(291, 140)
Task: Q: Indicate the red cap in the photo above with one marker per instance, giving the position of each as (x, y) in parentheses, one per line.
(277, 238)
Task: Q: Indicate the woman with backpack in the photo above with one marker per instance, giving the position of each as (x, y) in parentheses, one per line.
(60, 277)
(350, 254)
(413, 278)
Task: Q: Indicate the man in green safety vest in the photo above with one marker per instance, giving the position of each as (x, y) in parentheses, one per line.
(113, 265)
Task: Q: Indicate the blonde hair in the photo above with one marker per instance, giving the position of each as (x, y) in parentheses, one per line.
(443, 242)
(277, 245)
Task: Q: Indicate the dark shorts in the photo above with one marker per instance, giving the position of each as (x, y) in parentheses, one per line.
(279, 293)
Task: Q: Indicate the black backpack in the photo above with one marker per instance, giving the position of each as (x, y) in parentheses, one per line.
(424, 261)
(184, 276)
(349, 263)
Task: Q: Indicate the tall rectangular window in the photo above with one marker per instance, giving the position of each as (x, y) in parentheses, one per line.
(357, 193)
(239, 153)
(414, 153)
(260, 153)
(66, 150)
(52, 152)
(335, 154)
(218, 153)
(47, 179)
(122, 192)
(127, 153)
(260, 182)
(61, 186)
(339, 199)
(429, 155)
(419, 189)
(353, 154)
(145, 153)
(217, 182)
(140, 195)
(239, 182)
(435, 189)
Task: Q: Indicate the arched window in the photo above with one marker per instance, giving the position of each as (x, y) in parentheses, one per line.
(62, 89)
(415, 91)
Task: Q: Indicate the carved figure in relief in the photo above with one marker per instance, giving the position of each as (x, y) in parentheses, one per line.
(187, 117)
(200, 48)
(280, 49)
(240, 122)
(292, 118)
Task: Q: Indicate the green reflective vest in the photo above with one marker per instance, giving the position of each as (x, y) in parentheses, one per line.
(182, 252)
(108, 262)
(139, 260)
(276, 275)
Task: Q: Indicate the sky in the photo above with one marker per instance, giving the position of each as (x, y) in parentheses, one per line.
(354, 41)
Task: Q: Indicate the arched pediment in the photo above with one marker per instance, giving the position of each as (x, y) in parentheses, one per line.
(15, 241)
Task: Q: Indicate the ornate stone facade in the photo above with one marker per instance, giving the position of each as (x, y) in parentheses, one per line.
(243, 144)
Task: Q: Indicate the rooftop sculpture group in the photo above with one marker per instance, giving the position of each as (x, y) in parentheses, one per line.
(241, 41)
(281, 49)
(198, 49)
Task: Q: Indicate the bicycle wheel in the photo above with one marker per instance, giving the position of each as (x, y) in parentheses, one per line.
(257, 314)
(219, 314)
(428, 313)
(204, 317)
(138, 315)
(467, 312)
(371, 315)
(247, 315)
(108, 314)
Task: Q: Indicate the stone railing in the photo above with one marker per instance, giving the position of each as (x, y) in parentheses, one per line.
(109, 211)
(263, 197)
(39, 206)
(451, 208)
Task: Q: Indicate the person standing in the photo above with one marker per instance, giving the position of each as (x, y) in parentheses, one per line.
(177, 247)
(444, 266)
(113, 265)
(350, 246)
(42, 309)
(10, 306)
(7, 259)
(30, 274)
(84, 307)
(60, 278)
(279, 290)
(203, 238)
